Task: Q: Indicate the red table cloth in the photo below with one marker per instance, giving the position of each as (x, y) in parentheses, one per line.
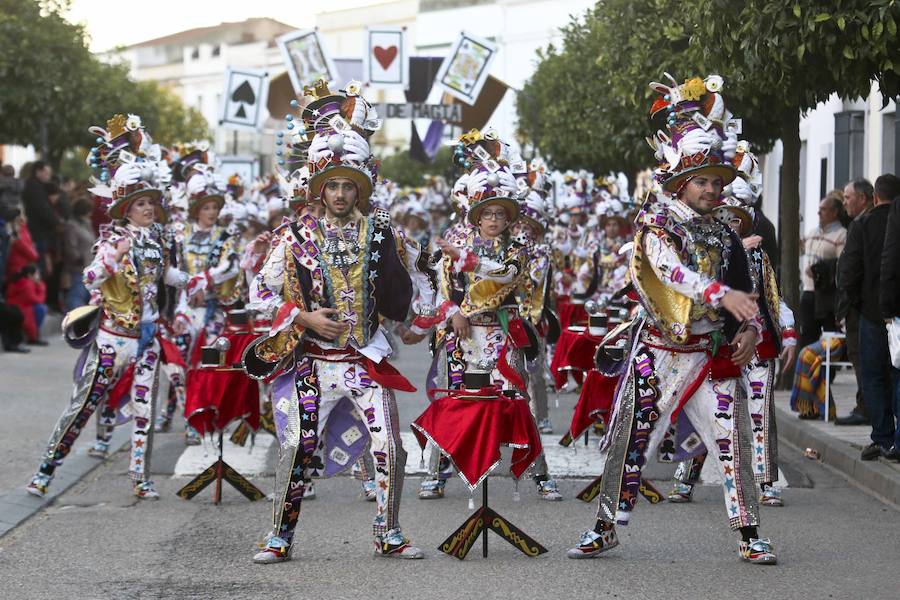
(216, 396)
(570, 313)
(574, 352)
(594, 402)
(471, 431)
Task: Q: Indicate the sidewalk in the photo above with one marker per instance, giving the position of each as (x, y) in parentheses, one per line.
(840, 447)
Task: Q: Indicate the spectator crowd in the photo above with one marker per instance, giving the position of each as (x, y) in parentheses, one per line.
(46, 236)
(850, 272)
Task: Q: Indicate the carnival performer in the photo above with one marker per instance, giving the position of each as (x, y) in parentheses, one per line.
(326, 283)
(679, 388)
(779, 337)
(480, 274)
(130, 267)
(531, 227)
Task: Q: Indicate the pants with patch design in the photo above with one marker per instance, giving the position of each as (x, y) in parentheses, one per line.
(318, 391)
(106, 362)
(645, 402)
(758, 382)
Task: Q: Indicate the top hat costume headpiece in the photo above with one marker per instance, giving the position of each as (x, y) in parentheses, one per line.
(696, 123)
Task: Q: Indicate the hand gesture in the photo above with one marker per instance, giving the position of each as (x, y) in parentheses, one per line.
(449, 250)
(788, 356)
(122, 248)
(321, 322)
(460, 326)
(744, 346)
(262, 241)
(740, 304)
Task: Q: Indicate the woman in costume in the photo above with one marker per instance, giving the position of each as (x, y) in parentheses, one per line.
(129, 269)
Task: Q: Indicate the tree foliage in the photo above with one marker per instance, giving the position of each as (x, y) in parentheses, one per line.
(404, 170)
(586, 104)
(52, 88)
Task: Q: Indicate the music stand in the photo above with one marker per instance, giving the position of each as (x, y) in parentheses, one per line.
(216, 357)
(484, 518)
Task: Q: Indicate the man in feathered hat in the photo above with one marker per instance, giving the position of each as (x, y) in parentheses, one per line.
(327, 283)
(778, 337)
(680, 389)
(118, 333)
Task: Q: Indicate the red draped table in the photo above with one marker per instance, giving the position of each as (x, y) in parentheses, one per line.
(574, 353)
(216, 396)
(469, 426)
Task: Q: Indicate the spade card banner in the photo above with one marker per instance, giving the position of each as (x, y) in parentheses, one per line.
(385, 62)
(464, 71)
(245, 97)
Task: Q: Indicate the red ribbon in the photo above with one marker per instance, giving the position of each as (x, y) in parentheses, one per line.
(384, 374)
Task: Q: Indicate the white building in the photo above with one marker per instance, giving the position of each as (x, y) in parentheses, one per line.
(840, 140)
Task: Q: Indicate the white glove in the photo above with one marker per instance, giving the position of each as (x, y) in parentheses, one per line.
(729, 145)
(127, 174)
(508, 182)
(356, 148)
(476, 183)
(741, 190)
(318, 148)
(196, 184)
(697, 140)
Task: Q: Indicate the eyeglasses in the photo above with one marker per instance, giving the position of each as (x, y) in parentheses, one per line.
(494, 215)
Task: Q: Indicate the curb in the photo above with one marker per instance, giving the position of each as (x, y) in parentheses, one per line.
(873, 477)
(18, 506)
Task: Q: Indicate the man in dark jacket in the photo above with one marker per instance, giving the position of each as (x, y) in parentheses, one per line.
(42, 220)
(890, 286)
(860, 279)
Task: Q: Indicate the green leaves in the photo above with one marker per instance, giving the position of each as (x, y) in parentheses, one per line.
(52, 88)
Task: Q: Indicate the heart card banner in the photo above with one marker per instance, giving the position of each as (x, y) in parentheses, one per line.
(245, 98)
(306, 59)
(464, 71)
(385, 61)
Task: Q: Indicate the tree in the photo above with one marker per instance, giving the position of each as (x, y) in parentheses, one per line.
(789, 56)
(52, 88)
(402, 169)
(586, 105)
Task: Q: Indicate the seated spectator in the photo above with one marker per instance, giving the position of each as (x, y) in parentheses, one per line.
(818, 267)
(27, 292)
(78, 242)
(808, 395)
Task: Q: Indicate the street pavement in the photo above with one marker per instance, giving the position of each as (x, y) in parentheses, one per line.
(97, 541)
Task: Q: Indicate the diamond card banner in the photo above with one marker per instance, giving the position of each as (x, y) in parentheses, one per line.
(464, 71)
(306, 58)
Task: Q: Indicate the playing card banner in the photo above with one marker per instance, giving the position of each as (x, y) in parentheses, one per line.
(306, 58)
(385, 62)
(245, 97)
(465, 69)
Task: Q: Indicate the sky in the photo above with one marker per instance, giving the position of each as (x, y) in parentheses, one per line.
(130, 21)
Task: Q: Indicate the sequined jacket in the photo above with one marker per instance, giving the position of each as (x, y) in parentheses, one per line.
(214, 252)
(129, 289)
(366, 270)
(486, 276)
(682, 266)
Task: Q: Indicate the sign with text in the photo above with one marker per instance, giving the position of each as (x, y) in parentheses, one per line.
(419, 110)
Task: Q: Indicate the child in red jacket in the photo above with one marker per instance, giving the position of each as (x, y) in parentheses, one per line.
(28, 292)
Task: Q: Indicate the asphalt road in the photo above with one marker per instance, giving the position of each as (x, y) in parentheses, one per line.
(97, 541)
